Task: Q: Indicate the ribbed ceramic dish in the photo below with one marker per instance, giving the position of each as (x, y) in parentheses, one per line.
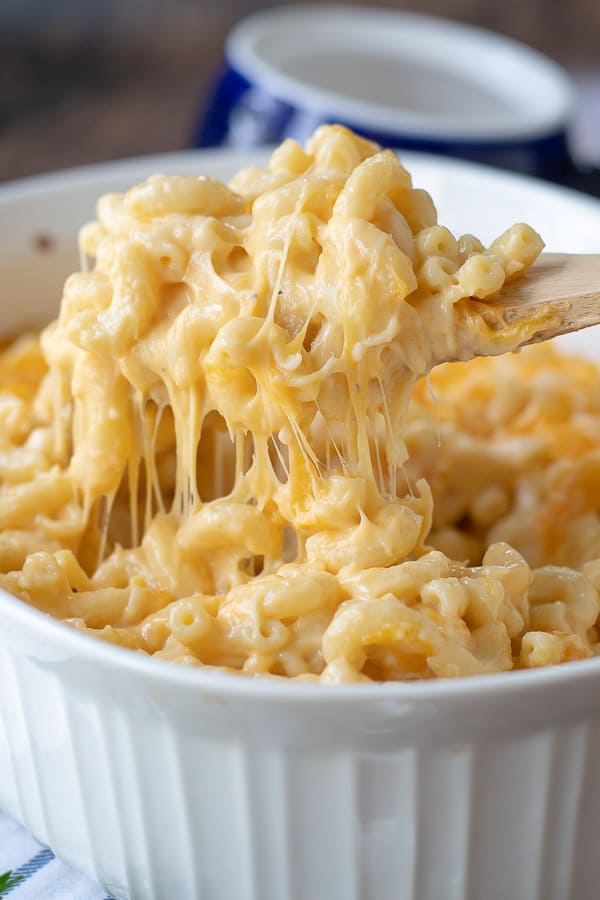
(167, 783)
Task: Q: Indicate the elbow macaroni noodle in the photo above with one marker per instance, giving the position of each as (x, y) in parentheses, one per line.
(210, 456)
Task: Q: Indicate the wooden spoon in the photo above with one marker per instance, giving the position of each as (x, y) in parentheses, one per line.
(565, 284)
(559, 294)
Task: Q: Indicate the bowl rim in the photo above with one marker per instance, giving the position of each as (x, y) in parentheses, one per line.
(271, 688)
(83, 176)
(479, 52)
(212, 679)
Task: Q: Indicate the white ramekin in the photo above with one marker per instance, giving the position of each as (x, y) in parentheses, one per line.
(167, 783)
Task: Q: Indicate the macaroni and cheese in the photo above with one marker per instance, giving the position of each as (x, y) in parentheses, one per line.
(212, 455)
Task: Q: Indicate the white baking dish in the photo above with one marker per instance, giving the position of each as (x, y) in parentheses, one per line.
(169, 783)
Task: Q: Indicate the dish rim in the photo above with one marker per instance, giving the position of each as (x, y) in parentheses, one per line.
(212, 679)
(82, 176)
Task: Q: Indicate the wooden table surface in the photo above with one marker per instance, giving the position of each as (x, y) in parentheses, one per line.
(88, 80)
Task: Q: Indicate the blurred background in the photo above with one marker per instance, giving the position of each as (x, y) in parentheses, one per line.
(89, 80)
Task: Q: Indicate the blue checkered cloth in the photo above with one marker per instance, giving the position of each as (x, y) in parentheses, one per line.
(38, 874)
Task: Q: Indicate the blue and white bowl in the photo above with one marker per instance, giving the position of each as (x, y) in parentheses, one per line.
(408, 81)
